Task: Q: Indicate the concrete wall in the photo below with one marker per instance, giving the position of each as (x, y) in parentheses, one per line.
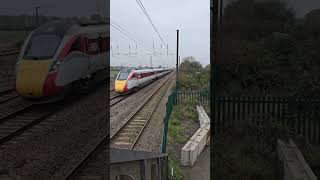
(294, 165)
(193, 148)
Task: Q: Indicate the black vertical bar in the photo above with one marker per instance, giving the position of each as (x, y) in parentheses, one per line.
(219, 109)
(229, 101)
(278, 109)
(258, 110)
(238, 104)
(213, 107)
(263, 106)
(268, 107)
(243, 107)
(284, 111)
(248, 106)
(309, 119)
(177, 83)
(298, 114)
(233, 109)
(223, 111)
(318, 123)
(143, 169)
(253, 107)
(273, 107)
(304, 119)
(313, 120)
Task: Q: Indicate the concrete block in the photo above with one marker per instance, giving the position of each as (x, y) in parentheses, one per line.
(193, 155)
(203, 117)
(193, 148)
(185, 151)
(294, 165)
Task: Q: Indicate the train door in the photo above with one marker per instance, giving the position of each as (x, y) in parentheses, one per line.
(134, 80)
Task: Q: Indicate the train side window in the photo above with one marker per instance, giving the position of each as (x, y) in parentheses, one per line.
(76, 46)
(93, 46)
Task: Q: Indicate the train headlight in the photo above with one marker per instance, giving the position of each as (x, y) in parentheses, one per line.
(55, 65)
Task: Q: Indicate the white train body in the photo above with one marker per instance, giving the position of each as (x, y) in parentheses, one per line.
(130, 79)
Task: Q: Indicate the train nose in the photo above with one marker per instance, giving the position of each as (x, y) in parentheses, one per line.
(31, 76)
(120, 86)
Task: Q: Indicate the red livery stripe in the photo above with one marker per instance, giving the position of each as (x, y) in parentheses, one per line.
(50, 86)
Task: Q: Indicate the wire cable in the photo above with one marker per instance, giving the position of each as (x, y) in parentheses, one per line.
(149, 19)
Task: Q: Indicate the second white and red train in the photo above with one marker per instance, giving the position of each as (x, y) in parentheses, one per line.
(130, 79)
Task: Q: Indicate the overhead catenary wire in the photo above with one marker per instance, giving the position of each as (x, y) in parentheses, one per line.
(127, 34)
(150, 20)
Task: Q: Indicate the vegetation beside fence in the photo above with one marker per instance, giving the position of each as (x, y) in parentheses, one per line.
(183, 123)
(193, 76)
(268, 49)
(247, 150)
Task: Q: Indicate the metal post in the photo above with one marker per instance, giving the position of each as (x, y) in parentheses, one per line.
(129, 49)
(221, 12)
(177, 84)
(37, 16)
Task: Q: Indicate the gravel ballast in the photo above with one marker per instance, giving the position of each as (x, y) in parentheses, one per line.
(53, 146)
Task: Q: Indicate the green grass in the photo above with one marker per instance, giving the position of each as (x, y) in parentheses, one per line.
(248, 150)
(113, 73)
(11, 37)
(177, 172)
(180, 114)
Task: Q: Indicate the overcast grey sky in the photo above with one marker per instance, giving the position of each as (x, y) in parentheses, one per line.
(62, 8)
(191, 17)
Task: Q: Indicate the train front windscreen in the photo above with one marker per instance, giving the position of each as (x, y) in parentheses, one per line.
(123, 75)
(42, 46)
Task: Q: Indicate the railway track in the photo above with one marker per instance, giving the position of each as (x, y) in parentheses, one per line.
(18, 115)
(13, 107)
(7, 95)
(9, 52)
(129, 133)
(100, 147)
(24, 119)
(117, 99)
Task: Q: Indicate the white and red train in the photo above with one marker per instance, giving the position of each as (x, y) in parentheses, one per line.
(60, 56)
(130, 79)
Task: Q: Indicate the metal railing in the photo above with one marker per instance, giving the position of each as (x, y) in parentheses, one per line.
(300, 115)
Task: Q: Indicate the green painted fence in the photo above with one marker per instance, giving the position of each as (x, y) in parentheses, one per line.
(178, 97)
(169, 106)
(300, 114)
(202, 97)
